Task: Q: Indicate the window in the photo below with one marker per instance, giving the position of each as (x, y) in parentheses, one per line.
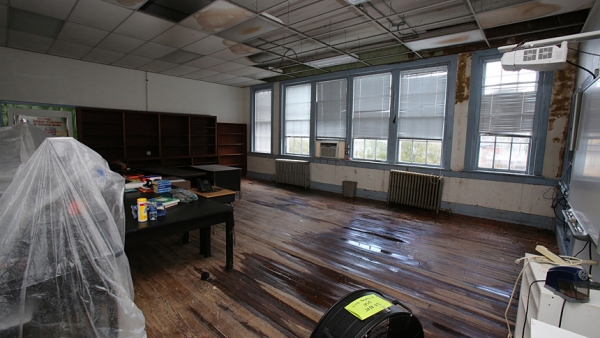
(297, 119)
(331, 109)
(506, 118)
(421, 114)
(262, 121)
(370, 116)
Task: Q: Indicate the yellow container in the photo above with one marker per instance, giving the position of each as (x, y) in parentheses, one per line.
(142, 212)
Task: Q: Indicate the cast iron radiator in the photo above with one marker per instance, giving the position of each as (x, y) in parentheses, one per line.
(415, 189)
(293, 172)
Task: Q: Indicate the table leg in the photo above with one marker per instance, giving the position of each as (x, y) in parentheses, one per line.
(205, 242)
(229, 227)
(186, 237)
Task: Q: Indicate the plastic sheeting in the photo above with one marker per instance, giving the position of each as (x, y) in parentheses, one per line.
(63, 269)
(18, 145)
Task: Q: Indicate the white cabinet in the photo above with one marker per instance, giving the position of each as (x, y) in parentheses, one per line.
(545, 306)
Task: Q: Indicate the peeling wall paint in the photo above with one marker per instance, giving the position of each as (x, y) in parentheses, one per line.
(558, 119)
(463, 77)
(461, 111)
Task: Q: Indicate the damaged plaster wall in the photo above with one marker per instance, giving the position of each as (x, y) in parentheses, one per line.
(461, 112)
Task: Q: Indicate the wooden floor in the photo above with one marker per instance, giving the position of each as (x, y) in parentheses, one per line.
(300, 251)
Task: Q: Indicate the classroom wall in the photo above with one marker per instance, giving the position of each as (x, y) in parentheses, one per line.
(493, 196)
(45, 79)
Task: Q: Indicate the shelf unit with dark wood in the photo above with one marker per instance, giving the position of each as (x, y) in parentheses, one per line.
(232, 145)
(149, 139)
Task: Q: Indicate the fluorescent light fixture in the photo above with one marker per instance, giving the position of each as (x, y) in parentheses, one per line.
(333, 61)
(271, 17)
(356, 2)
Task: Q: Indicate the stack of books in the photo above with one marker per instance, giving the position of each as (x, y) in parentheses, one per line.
(161, 186)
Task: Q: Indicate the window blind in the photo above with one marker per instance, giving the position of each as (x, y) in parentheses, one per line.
(331, 109)
(422, 105)
(297, 110)
(262, 121)
(371, 111)
(507, 101)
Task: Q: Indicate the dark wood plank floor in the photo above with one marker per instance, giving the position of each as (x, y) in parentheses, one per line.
(300, 251)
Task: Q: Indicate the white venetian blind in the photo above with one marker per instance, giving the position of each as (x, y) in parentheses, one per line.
(262, 121)
(422, 105)
(371, 111)
(331, 109)
(507, 101)
(297, 110)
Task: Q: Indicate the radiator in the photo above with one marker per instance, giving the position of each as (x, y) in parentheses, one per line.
(415, 189)
(293, 172)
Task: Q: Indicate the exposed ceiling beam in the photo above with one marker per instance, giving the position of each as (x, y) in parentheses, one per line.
(477, 20)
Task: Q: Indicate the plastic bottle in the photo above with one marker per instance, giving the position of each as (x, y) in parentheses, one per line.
(142, 212)
(152, 213)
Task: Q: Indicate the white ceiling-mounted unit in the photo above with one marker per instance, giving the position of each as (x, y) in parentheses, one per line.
(539, 59)
(330, 149)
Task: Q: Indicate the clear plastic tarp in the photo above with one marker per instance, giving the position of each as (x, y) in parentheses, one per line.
(18, 145)
(63, 269)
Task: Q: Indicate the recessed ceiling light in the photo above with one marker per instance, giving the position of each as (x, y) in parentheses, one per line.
(333, 61)
(356, 2)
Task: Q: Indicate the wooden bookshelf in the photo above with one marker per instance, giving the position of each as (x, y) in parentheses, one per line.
(149, 139)
(232, 145)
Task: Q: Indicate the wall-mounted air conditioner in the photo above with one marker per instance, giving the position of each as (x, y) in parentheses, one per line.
(330, 149)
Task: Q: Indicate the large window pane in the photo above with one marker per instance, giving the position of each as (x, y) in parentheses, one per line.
(297, 119)
(421, 115)
(262, 121)
(506, 117)
(331, 109)
(371, 115)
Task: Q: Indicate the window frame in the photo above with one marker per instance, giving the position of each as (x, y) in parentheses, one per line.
(535, 161)
(450, 61)
(253, 115)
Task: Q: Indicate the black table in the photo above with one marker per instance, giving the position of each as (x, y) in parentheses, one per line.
(223, 176)
(194, 176)
(182, 218)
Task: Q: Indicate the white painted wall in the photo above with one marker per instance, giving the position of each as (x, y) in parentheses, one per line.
(38, 78)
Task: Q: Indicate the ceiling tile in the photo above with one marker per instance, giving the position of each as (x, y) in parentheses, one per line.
(173, 10)
(153, 50)
(235, 80)
(132, 4)
(3, 33)
(143, 26)
(88, 36)
(180, 70)
(263, 75)
(180, 56)
(59, 9)
(218, 77)
(446, 40)
(200, 74)
(132, 61)
(209, 45)
(179, 36)
(204, 62)
(28, 41)
(225, 67)
(251, 83)
(158, 66)
(34, 23)
(103, 56)
(69, 49)
(245, 61)
(99, 14)
(217, 16)
(235, 52)
(3, 16)
(258, 6)
(249, 29)
(245, 71)
(120, 43)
